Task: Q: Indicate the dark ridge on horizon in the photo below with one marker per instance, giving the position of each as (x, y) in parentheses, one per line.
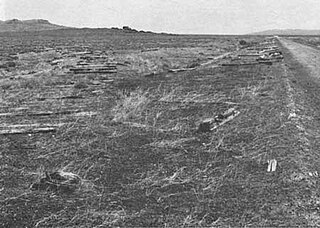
(36, 25)
(15, 25)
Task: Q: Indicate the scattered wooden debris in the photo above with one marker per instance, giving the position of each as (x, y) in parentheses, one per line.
(56, 62)
(21, 109)
(123, 64)
(97, 92)
(150, 49)
(94, 70)
(211, 124)
(177, 70)
(248, 55)
(86, 114)
(240, 64)
(66, 112)
(270, 55)
(313, 174)
(265, 62)
(151, 74)
(60, 98)
(44, 113)
(28, 128)
(95, 82)
(180, 70)
(272, 165)
(107, 80)
(59, 181)
(30, 125)
(91, 64)
(28, 131)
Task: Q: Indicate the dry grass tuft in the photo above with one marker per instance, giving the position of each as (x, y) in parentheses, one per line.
(251, 91)
(130, 106)
(180, 96)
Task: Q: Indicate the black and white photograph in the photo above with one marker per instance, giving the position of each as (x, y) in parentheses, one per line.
(159, 113)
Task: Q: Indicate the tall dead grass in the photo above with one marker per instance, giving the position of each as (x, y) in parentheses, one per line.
(130, 106)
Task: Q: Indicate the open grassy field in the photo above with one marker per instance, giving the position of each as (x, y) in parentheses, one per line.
(120, 113)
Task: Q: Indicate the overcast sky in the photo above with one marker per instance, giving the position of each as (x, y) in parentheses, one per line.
(174, 16)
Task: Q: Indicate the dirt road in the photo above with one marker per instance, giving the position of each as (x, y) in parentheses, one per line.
(307, 56)
(303, 63)
(303, 69)
(302, 75)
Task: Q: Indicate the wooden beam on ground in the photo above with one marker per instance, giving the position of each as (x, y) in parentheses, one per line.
(15, 129)
(239, 64)
(211, 124)
(87, 68)
(60, 98)
(181, 69)
(265, 62)
(249, 55)
(44, 113)
(96, 72)
(28, 131)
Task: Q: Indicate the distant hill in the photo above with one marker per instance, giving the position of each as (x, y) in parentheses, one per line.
(16, 25)
(288, 32)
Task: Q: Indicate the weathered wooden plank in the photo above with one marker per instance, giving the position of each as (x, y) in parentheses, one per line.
(28, 131)
(239, 64)
(91, 70)
(60, 98)
(265, 62)
(30, 125)
(85, 114)
(7, 129)
(211, 124)
(96, 72)
(181, 69)
(90, 67)
(249, 55)
(45, 113)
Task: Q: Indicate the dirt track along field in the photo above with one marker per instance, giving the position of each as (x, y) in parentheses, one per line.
(306, 55)
(101, 130)
(305, 69)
